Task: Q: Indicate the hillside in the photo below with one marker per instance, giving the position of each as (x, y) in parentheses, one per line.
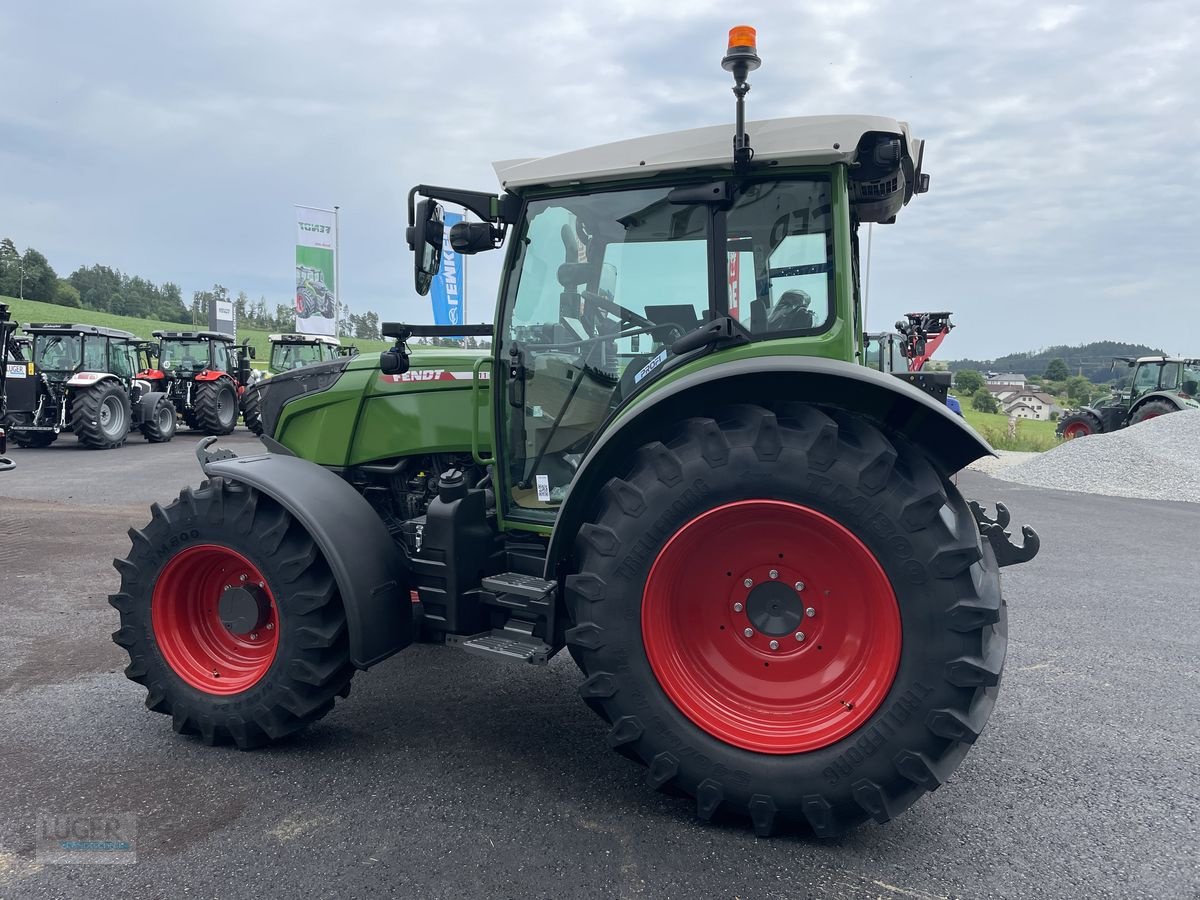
(26, 311)
(1093, 360)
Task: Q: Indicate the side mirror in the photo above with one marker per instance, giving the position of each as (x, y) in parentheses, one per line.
(425, 238)
(251, 352)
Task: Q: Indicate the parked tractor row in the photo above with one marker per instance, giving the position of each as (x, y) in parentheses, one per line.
(102, 384)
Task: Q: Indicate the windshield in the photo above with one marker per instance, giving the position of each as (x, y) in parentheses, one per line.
(183, 355)
(603, 285)
(56, 352)
(1190, 383)
(293, 356)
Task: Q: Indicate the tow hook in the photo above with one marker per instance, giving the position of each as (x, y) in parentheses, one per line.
(1007, 553)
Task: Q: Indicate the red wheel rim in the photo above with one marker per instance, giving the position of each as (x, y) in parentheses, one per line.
(1076, 429)
(184, 612)
(805, 693)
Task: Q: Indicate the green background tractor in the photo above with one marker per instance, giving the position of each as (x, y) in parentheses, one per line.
(288, 352)
(749, 543)
(1160, 385)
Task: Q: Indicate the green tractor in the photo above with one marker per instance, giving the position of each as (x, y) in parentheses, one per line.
(751, 546)
(1160, 385)
(288, 352)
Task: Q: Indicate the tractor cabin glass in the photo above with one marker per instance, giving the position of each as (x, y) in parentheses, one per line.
(606, 283)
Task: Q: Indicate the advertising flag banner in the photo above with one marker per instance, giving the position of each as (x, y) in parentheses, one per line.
(316, 268)
(446, 292)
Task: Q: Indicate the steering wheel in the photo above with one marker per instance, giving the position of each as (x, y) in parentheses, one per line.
(627, 315)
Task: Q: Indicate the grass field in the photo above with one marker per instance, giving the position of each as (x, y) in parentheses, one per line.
(1031, 435)
(26, 311)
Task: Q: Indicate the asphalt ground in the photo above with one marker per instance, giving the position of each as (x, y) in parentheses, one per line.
(446, 775)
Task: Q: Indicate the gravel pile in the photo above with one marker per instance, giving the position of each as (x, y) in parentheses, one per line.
(1158, 459)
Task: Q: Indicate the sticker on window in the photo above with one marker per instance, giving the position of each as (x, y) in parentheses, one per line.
(543, 488)
(650, 367)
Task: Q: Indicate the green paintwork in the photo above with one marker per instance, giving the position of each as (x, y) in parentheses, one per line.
(427, 410)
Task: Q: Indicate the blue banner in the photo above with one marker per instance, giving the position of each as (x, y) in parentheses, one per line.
(446, 292)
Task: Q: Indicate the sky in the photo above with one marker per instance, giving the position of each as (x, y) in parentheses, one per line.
(171, 140)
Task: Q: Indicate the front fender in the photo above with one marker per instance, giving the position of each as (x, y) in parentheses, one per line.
(87, 379)
(368, 569)
(896, 406)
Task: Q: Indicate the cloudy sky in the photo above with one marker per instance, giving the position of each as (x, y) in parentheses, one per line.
(171, 140)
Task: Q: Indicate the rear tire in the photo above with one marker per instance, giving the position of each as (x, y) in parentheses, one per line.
(215, 405)
(694, 700)
(100, 415)
(252, 410)
(1152, 409)
(1078, 424)
(272, 680)
(160, 427)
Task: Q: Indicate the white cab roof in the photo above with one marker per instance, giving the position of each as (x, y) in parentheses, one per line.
(802, 140)
(304, 338)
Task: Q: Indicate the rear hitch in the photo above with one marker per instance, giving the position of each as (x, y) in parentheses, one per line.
(1007, 553)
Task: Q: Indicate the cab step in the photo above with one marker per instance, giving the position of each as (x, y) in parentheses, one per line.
(509, 643)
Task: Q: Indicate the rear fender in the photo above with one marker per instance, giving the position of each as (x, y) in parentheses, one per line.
(147, 403)
(366, 564)
(894, 405)
(1180, 403)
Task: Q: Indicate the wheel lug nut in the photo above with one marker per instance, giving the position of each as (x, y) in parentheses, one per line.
(216, 674)
(737, 607)
(810, 612)
(262, 584)
(749, 582)
(270, 626)
(228, 586)
(241, 578)
(254, 635)
(774, 573)
(749, 632)
(799, 586)
(800, 636)
(774, 645)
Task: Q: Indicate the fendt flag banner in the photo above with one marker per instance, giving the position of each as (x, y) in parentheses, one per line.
(316, 268)
(446, 292)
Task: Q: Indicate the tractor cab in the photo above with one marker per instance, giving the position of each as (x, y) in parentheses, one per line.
(294, 351)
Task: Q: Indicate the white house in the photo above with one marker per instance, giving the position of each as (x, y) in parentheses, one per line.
(1006, 379)
(1027, 404)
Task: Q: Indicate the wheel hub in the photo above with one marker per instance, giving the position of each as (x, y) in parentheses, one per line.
(244, 609)
(774, 609)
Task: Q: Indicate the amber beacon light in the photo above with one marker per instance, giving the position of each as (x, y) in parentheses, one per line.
(741, 58)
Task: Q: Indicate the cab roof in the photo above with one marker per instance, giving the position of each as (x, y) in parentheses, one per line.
(800, 140)
(195, 335)
(304, 339)
(62, 328)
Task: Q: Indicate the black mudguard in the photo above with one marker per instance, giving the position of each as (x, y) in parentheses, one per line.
(146, 404)
(894, 405)
(370, 573)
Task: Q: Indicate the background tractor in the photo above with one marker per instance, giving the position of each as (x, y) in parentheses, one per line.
(749, 543)
(11, 356)
(288, 352)
(905, 351)
(81, 379)
(1160, 385)
(202, 373)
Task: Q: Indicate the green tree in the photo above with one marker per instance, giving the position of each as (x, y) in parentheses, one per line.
(66, 295)
(10, 269)
(968, 381)
(984, 401)
(1056, 370)
(40, 278)
(1079, 390)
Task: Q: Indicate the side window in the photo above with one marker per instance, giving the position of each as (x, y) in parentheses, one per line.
(220, 356)
(1170, 377)
(118, 360)
(94, 353)
(781, 259)
(538, 292)
(1146, 378)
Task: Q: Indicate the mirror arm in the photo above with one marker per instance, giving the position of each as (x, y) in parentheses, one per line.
(488, 207)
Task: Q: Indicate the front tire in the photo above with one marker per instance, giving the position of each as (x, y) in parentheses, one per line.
(231, 617)
(216, 407)
(1080, 423)
(100, 415)
(898, 667)
(252, 410)
(160, 427)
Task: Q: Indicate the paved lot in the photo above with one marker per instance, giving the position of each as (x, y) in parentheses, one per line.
(445, 775)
